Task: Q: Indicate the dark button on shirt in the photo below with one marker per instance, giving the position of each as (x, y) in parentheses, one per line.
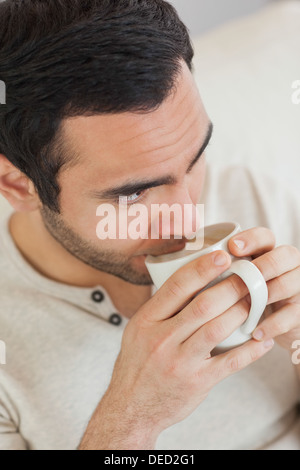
(98, 296)
(115, 319)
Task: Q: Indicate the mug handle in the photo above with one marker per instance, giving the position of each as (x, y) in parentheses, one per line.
(258, 290)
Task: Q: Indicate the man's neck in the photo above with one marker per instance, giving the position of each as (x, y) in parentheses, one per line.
(51, 260)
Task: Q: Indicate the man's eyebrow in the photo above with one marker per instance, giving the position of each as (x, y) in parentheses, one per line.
(133, 186)
(203, 148)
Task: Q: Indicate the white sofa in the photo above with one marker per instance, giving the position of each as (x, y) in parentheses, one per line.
(245, 72)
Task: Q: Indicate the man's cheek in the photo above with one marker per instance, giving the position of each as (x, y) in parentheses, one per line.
(81, 220)
(130, 224)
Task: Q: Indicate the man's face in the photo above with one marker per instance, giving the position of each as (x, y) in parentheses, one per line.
(120, 150)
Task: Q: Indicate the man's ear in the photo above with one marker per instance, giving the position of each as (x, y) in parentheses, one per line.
(17, 188)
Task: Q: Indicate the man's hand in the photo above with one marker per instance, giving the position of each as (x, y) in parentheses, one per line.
(281, 268)
(165, 369)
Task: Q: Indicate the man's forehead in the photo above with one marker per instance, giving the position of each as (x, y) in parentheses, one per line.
(136, 135)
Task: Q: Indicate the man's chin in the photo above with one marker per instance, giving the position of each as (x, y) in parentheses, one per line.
(138, 273)
(138, 264)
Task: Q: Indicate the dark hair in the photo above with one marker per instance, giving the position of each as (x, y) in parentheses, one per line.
(66, 58)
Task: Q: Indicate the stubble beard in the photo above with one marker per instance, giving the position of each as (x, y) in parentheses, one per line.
(107, 261)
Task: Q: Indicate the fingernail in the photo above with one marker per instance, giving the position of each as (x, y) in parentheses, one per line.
(240, 244)
(221, 260)
(269, 344)
(258, 334)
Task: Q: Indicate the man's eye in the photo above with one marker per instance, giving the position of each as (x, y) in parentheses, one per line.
(132, 198)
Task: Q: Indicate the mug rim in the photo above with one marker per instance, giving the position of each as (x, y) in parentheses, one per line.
(167, 258)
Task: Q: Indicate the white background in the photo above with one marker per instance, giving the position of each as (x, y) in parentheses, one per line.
(203, 15)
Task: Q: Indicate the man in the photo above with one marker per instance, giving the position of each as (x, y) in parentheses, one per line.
(101, 108)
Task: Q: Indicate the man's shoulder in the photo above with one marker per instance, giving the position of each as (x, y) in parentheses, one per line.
(11, 278)
(6, 264)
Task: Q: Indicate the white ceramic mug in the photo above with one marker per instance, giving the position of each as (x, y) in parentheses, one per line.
(216, 238)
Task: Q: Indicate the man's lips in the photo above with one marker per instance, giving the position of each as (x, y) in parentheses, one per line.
(174, 249)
